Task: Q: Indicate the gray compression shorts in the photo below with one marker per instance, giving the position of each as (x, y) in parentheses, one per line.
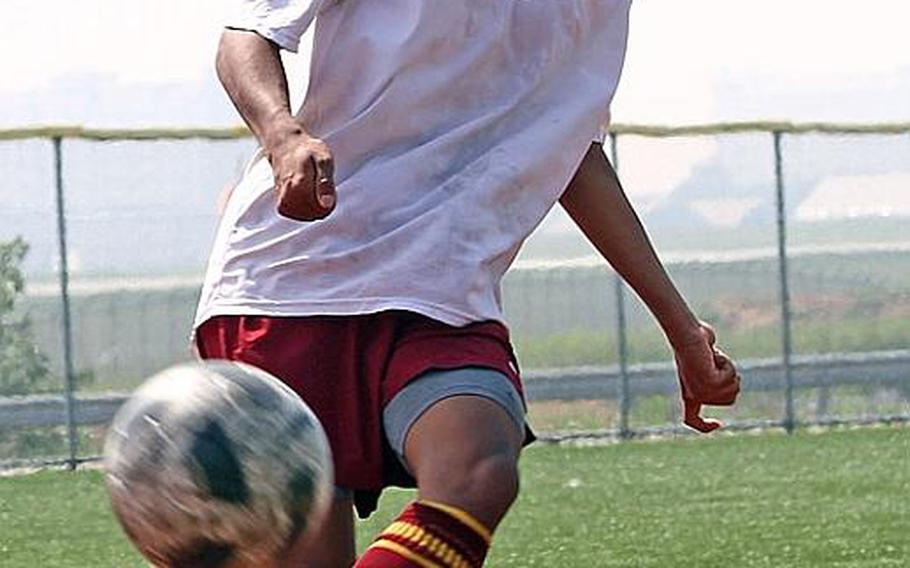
(423, 392)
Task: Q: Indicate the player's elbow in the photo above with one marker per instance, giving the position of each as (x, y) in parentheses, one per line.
(234, 46)
(241, 49)
(223, 59)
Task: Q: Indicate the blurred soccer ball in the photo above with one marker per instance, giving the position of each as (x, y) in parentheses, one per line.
(216, 464)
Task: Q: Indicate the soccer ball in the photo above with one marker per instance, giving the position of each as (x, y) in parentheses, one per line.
(216, 464)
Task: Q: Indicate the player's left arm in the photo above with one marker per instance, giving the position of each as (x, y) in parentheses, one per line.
(597, 203)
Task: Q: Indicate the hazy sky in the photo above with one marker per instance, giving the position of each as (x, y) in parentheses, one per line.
(680, 51)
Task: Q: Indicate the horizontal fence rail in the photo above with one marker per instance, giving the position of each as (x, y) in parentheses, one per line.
(564, 384)
(657, 131)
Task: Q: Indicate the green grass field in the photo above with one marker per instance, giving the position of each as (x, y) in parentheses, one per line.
(837, 498)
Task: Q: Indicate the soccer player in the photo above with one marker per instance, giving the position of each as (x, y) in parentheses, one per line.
(360, 257)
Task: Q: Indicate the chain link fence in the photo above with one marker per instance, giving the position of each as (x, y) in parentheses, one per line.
(791, 239)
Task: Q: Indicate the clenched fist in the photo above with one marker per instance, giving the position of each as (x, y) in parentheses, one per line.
(304, 177)
(706, 376)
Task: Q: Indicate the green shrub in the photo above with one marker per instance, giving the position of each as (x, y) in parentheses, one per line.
(23, 368)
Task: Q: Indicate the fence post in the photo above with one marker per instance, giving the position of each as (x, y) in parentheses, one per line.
(786, 314)
(625, 401)
(67, 325)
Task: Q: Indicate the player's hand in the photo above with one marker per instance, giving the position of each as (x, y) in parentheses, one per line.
(706, 376)
(304, 177)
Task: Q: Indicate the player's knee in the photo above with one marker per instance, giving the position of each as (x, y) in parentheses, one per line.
(491, 480)
(498, 477)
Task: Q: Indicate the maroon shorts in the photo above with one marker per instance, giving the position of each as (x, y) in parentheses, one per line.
(347, 368)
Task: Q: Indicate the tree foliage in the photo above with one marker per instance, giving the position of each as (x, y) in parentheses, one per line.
(23, 368)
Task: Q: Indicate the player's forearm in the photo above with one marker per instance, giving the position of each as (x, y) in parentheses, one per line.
(250, 69)
(596, 202)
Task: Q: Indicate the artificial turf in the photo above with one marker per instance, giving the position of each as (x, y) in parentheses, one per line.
(836, 498)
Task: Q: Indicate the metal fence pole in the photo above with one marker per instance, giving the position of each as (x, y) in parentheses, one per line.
(67, 325)
(785, 312)
(625, 400)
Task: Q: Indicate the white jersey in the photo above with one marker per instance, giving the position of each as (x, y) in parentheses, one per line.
(455, 127)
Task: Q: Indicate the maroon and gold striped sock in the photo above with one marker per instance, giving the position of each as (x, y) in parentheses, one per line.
(429, 535)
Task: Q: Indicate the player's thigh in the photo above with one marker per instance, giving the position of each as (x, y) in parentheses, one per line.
(461, 431)
(467, 409)
(329, 544)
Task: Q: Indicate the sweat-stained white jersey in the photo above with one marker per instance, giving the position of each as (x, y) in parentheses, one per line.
(455, 127)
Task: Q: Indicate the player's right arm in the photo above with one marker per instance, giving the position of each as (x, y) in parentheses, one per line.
(250, 69)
